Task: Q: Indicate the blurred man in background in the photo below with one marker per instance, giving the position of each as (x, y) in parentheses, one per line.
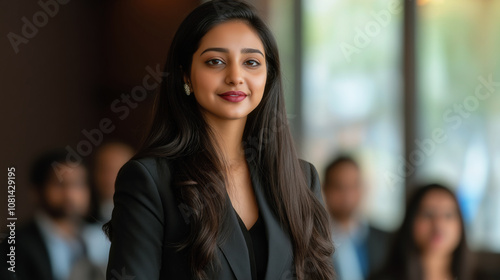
(109, 158)
(50, 246)
(360, 248)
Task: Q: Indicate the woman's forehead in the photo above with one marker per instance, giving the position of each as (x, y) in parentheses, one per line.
(233, 35)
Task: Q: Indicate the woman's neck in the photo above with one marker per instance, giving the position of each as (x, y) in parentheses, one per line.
(229, 135)
(437, 267)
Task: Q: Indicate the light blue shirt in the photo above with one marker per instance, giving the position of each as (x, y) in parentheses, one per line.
(349, 246)
(63, 252)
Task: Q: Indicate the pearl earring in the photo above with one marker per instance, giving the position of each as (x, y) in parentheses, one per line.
(187, 89)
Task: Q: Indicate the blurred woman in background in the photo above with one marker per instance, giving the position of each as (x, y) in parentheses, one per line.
(431, 242)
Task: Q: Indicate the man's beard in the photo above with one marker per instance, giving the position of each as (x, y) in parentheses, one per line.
(61, 212)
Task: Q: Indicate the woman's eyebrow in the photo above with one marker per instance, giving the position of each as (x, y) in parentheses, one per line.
(224, 50)
(250, 50)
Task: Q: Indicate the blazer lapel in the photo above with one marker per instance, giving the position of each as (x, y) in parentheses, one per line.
(280, 253)
(234, 247)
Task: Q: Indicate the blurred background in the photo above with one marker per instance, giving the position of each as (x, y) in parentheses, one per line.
(411, 89)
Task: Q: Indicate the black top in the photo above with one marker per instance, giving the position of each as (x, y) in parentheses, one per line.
(256, 241)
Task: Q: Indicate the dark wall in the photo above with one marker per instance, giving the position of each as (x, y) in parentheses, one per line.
(65, 77)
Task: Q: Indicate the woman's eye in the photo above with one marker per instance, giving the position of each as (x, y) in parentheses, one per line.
(214, 62)
(427, 214)
(252, 63)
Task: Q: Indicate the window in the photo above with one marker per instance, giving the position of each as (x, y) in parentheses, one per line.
(352, 94)
(352, 99)
(459, 97)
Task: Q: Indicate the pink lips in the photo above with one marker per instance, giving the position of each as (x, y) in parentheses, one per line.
(233, 96)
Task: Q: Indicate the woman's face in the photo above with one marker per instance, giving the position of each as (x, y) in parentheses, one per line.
(437, 226)
(229, 72)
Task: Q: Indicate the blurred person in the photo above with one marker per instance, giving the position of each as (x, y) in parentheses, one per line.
(49, 247)
(217, 191)
(108, 160)
(360, 247)
(431, 243)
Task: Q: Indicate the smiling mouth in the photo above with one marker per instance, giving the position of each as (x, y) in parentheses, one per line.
(233, 96)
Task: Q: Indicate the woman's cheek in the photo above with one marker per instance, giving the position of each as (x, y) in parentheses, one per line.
(259, 84)
(455, 234)
(420, 233)
(205, 81)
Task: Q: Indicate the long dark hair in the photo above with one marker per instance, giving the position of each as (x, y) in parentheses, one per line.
(404, 259)
(180, 133)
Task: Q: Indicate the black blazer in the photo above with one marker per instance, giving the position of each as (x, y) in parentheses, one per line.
(146, 217)
(32, 257)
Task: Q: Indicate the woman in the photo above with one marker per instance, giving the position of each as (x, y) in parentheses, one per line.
(431, 242)
(217, 191)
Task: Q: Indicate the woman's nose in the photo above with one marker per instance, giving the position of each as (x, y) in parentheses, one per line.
(234, 74)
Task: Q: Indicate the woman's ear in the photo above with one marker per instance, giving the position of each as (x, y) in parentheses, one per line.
(185, 76)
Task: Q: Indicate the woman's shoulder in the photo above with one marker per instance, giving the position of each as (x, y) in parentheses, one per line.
(144, 171)
(312, 178)
(309, 171)
(150, 162)
(153, 165)
(306, 165)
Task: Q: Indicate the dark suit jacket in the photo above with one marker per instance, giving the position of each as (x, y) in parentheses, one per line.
(33, 261)
(146, 217)
(32, 257)
(378, 244)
